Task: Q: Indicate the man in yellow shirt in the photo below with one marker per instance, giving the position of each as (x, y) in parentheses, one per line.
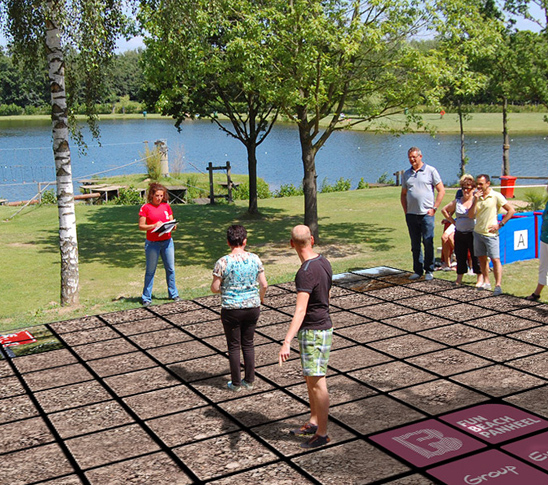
(485, 209)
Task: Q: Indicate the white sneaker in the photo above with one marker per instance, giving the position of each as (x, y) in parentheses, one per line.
(486, 286)
(498, 291)
(429, 277)
(414, 276)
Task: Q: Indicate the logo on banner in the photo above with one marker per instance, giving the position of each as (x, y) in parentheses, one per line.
(521, 240)
(19, 338)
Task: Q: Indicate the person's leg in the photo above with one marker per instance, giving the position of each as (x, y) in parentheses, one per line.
(168, 258)
(493, 251)
(427, 230)
(152, 252)
(542, 268)
(481, 252)
(231, 327)
(319, 402)
(248, 348)
(461, 253)
(497, 271)
(414, 228)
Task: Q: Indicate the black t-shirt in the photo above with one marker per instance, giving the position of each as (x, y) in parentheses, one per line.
(315, 277)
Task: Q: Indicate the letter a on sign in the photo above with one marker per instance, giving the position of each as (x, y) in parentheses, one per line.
(521, 239)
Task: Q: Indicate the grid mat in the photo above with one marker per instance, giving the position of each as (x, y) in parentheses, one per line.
(139, 396)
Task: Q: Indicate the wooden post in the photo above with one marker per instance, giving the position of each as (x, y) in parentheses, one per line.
(229, 182)
(211, 192)
(164, 161)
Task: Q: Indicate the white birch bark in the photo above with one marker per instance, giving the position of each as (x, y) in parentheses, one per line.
(68, 242)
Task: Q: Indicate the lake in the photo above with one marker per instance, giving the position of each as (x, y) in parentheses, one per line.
(26, 155)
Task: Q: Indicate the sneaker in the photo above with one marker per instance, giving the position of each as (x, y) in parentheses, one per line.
(305, 429)
(316, 441)
(486, 286)
(533, 297)
(233, 388)
(146, 303)
(177, 298)
(248, 385)
(430, 276)
(498, 291)
(414, 276)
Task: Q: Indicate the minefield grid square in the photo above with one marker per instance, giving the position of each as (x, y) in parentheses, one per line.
(143, 326)
(501, 349)
(191, 349)
(534, 400)
(347, 319)
(204, 329)
(465, 294)
(89, 336)
(503, 323)
(354, 300)
(461, 312)
(275, 473)
(434, 286)
(192, 425)
(141, 381)
(121, 364)
(382, 310)
(535, 364)
(272, 317)
(393, 293)
(54, 358)
(353, 358)
(505, 303)
(72, 396)
(406, 346)
(456, 334)
(202, 368)
(56, 377)
(159, 338)
(176, 307)
(75, 325)
(217, 391)
(15, 408)
(392, 375)
(126, 315)
(106, 348)
(438, 397)
(368, 332)
(24, 434)
(448, 362)
(425, 302)
(193, 317)
(165, 401)
(415, 322)
(5, 369)
(537, 313)
(498, 380)
(536, 336)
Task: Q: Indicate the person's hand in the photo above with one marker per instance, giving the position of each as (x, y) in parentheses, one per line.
(284, 353)
(158, 224)
(477, 193)
(494, 228)
(431, 212)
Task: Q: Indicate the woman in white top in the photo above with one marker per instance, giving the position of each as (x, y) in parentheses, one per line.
(456, 212)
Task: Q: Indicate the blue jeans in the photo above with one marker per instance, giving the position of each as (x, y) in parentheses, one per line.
(153, 250)
(421, 229)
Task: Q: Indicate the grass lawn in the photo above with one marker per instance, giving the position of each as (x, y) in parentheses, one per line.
(358, 229)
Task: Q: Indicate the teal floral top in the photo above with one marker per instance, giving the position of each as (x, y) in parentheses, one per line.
(239, 280)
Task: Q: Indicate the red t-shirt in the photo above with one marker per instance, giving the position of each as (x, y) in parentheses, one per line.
(154, 214)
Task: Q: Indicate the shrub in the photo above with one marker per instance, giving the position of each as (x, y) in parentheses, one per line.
(242, 191)
(10, 110)
(128, 196)
(536, 200)
(288, 190)
(193, 191)
(362, 185)
(385, 179)
(48, 197)
(153, 163)
(341, 185)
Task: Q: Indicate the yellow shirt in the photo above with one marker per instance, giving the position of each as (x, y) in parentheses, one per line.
(487, 209)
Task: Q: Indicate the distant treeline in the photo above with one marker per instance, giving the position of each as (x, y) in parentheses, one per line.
(24, 89)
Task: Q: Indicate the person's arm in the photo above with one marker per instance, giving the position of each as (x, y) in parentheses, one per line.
(510, 211)
(439, 197)
(296, 322)
(263, 285)
(216, 284)
(449, 210)
(143, 226)
(473, 208)
(403, 199)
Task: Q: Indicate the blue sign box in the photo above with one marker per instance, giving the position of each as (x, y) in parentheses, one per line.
(520, 236)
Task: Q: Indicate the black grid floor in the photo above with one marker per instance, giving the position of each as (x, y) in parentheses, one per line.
(427, 381)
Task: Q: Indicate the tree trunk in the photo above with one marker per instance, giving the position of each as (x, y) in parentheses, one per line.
(252, 170)
(463, 160)
(65, 194)
(310, 187)
(505, 139)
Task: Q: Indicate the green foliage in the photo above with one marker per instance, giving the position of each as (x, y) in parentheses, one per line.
(242, 191)
(362, 185)
(11, 110)
(153, 163)
(536, 200)
(385, 179)
(128, 196)
(341, 185)
(48, 197)
(194, 191)
(288, 190)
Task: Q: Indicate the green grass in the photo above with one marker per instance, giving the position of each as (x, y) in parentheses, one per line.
(358, 229)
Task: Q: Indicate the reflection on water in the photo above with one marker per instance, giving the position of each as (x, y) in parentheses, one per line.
(26, 155)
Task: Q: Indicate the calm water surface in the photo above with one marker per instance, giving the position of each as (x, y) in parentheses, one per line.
(26, 155)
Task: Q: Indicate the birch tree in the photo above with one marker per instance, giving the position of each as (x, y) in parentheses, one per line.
(48, 28)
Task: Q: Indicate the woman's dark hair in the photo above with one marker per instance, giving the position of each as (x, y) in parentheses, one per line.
(235, 235)
(153, 188)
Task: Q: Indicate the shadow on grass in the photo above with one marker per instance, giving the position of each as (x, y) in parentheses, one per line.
(110, 235)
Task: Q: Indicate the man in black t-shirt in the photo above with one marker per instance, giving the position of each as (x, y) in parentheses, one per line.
(312, 325)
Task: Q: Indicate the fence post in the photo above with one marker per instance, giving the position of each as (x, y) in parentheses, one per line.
(164, 161)
(211, 192)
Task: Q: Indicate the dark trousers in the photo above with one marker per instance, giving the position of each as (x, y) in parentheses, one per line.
(239, 326)
(464, 242)
(421, 229)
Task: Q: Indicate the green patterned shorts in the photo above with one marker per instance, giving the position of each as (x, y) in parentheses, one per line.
(315, 346)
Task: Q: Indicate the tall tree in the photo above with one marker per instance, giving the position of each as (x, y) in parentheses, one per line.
(47, 28)
(211, 57)
(332, 52)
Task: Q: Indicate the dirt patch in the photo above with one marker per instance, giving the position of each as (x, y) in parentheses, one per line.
(281, 253)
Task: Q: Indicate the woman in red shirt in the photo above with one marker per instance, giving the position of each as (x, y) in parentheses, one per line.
(152, 215)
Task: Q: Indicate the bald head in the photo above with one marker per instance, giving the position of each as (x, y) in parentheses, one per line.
(301, 237)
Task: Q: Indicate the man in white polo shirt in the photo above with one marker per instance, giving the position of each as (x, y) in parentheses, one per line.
(485, 209)
(420, 205)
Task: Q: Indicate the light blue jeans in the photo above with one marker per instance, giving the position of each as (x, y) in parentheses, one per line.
(154, 250)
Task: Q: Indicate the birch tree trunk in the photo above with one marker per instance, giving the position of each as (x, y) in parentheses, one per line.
(68, 243)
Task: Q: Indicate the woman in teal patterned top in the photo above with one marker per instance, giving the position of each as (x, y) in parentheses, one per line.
(239, 278)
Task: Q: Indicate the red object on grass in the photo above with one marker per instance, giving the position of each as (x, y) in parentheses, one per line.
(19, 338)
